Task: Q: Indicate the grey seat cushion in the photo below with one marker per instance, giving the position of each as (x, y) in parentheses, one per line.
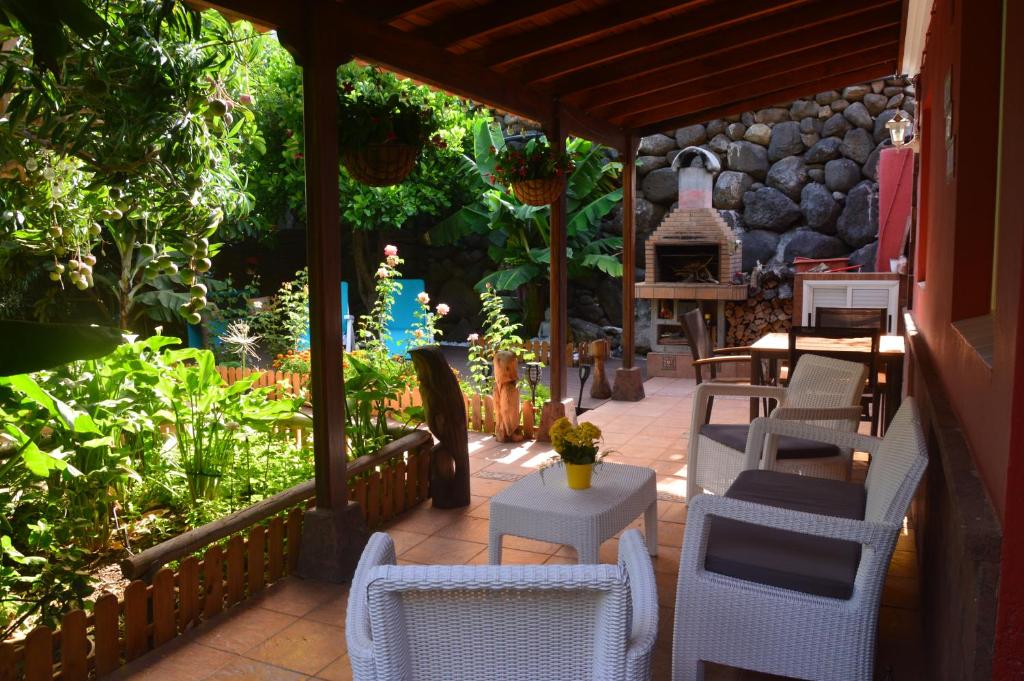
(734, 436)
(789, 560)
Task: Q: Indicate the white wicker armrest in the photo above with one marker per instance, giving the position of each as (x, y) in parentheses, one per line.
(708, 390)
(758, 454)
(380, 550)
(636, 560)
(817, 413)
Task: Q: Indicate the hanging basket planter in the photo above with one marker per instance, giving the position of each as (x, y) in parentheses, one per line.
(540, 192)
(381, 165)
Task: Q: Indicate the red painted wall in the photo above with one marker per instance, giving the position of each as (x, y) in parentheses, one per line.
(971, 244)
(895, 192)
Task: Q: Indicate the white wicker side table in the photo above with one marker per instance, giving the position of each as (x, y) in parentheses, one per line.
(548, 510)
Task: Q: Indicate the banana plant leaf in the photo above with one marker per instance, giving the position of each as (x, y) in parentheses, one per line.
(33, 346)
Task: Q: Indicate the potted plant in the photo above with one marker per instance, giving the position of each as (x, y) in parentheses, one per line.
(577, 449)
(380, 131)
(536, 172)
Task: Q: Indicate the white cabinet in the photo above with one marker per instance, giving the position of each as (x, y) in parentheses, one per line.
(872, 293)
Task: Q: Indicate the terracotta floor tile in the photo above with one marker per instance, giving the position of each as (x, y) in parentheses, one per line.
(184, 660)
(670, 534)
(297, 596)
(532, 545)
(425, 520)
(339, 670)
(305, 647)
(466, 528)
(486, 486)
(404, 539)
(671, 512)
(517, 557)
(332, 611)
(241, 628)
(251, 670)
(443, 551)
(559, 560)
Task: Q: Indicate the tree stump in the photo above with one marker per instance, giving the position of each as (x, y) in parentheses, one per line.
(445, 410)
(599, 387)
(506, 397)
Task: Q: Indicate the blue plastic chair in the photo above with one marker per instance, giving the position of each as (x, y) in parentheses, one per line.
(404, 314)
(347, 325)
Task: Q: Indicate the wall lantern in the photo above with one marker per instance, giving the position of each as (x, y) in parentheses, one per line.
(897, 127)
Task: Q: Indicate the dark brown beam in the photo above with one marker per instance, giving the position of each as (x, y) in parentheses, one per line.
(787, 90)
(629, 251)
(597, 21)
(483, 19)
(589, 127)
(559, 283)
(778, 34)
(856, 49)
(689, 25)
(270, 13)
(387, 11)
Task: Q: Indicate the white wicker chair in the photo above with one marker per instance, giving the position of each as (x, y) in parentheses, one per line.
(528, 622)
(775, 630)
(823, 391)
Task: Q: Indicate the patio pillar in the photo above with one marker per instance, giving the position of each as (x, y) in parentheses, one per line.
(556, 407)
(629, 383)
(333, 532)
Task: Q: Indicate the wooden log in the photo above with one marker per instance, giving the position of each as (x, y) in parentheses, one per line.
(528, 419)
(136, 609)
(74, 647)
(213, 581)
(442, 403)
(105, 632)
(506, 397)
(39, 654)
(600, 389)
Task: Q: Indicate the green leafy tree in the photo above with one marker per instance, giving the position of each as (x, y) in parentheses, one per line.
(121, 163)
(520, 235)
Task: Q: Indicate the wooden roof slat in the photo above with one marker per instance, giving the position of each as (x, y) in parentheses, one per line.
(782, 33)
(706, 81)
(389, 10)
(789, 91)
(595, 22)
(693, 24)
(798, 75)
(484, 19)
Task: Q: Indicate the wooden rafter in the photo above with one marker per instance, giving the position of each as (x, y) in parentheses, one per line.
(784, 90)
(387, 11)
(777, 34)
(596, 22)
(483, 19)
(855, 50)
(689, 25)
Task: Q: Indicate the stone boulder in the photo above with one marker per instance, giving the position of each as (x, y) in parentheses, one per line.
(645, 164)
(858, 115)
(807, 243)
(648, 217)
(819, 208)
(729, 189)
(768, 208)
(583, 330)
(656, 145)
(785, 141)
(660, 186)
(865, 256)
(826, 98)
(736, 131)
(691, 136)
(609, 296)
(772, 115)
(803, 108)
(758, 133)
(823, 151)
(857, 145)
(715, 127)
(816, 174)
(808, 125)
(875, 103)
(858, 223)
(839, 105)
(841, 174)
(758, 246)
(720, 143)
(788, 176)
(870, 167)
(747, 157)
(855, 93)
(835, 126)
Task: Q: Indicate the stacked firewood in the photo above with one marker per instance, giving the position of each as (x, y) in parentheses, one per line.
(763, 312)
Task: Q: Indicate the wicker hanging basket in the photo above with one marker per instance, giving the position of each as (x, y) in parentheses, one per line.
(539, 192)
(381, 165)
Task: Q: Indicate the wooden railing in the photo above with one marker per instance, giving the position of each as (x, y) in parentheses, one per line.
(241, 555)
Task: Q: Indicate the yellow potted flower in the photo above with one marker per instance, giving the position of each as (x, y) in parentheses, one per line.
(577, 448)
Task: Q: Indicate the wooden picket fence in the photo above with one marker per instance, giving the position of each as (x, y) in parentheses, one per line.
(90, 645)
(480, 415)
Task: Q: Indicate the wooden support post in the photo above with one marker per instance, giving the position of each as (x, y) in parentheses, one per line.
(334, 533)
(559, 287)
(629, 383)
(599, 388)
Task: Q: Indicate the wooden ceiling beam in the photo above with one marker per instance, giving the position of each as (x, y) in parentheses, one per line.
(761, 92)
(689, 25)
(597, 21)
(483, 19)
(387, 11)
(819, 24)
(268, 13)
(854, 48)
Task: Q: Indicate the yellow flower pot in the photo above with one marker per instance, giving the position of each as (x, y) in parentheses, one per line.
(577, 475)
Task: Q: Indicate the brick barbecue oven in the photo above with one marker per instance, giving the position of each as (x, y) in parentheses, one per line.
(691, 259)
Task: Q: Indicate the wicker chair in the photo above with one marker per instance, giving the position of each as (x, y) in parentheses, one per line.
(788, 624)
(502, 622)
(706, 356)
(823, 391)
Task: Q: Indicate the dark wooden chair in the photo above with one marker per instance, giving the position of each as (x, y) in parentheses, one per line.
(852, 317)
(831, 336)
(706, 357)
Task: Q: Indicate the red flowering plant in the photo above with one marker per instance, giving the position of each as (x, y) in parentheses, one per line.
(535, 160)
(375, 109)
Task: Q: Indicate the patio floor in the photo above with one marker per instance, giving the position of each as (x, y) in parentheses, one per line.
(295, 630)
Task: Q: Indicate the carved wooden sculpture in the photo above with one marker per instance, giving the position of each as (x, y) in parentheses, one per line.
(506, 397)
(599, 387)
(445, 410)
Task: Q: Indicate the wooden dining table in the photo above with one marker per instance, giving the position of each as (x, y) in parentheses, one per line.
(772, 347)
